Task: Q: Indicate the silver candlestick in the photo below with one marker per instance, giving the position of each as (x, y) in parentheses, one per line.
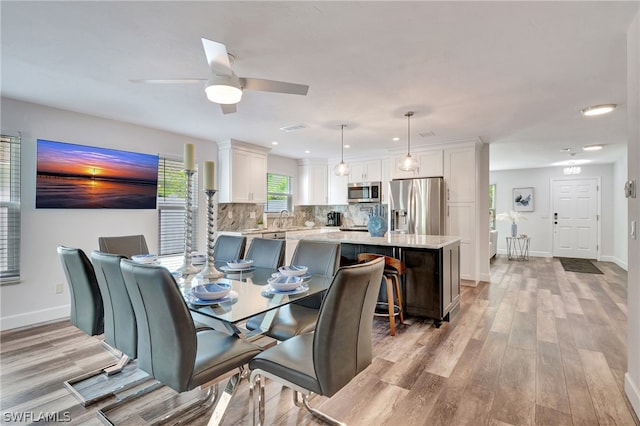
(187, 267)
(209, 271)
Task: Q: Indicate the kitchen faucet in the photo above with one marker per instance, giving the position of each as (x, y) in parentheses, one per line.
(280, 218)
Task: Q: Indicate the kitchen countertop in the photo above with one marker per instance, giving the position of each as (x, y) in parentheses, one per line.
(259, 231)
(390, 239)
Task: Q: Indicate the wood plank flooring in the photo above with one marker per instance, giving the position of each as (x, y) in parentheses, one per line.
(535, 346)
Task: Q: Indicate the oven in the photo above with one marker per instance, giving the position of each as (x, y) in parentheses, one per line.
(364, 192)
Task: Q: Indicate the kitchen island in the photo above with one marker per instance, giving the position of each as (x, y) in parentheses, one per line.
(431, 285)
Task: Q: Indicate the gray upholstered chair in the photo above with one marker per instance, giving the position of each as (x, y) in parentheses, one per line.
(326, 360)
(169, 347)
(322, 258)
(229, 247)
(266, 253)
(126, 245)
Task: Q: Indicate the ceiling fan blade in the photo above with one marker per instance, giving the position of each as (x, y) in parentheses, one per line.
(228, 108)
(169, 81)
(217, 56)
(273, 86)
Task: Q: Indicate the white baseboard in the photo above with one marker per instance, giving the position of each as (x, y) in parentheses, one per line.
(633, 393)
(34, 317)
(615, 260)
(531, 253)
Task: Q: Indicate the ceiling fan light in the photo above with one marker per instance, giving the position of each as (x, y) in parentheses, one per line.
(598, 109)
(223, 94)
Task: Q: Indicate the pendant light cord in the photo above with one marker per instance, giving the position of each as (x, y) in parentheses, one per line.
(409, 115)
(342, 144)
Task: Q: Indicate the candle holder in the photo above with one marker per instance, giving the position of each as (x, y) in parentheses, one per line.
(209, 271)
(187, 267)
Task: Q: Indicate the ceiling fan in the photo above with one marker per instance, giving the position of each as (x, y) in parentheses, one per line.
(223, 86)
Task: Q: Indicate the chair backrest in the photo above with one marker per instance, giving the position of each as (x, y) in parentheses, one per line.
(126, 245)
(166, 334)
(229, 247)
(86, 302)
(266, 253)
(322, 258)
(120, 329)
(342, 345)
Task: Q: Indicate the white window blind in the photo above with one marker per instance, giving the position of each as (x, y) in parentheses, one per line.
(171, 207)
(278, 193)
(9, 208)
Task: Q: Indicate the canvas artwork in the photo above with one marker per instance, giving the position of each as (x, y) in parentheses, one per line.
(523, 199)
(73, 176)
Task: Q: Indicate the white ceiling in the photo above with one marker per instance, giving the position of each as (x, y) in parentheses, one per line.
(514, 74)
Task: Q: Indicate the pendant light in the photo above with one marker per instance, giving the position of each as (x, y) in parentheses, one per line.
(342, 168)
(408, 163)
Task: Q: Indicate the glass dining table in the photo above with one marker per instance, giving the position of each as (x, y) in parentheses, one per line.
(250, 295)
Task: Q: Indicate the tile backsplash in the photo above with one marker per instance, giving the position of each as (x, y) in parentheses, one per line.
(236, 217)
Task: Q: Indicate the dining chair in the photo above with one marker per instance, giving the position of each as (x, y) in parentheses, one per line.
(321, 258)
(170, 348)
(125, 245)
(87, 309)
(229, 247)
(324, 361)
(391, 305)
(266, 253)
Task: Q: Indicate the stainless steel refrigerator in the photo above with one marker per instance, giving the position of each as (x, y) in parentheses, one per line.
(416, 206)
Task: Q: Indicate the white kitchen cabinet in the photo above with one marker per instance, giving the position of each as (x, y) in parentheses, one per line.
(365, 171)
(242, 171)
(387, 164)
(460, 174)
(337, 189)
(312, 182)
(461, 222)
(430, 163)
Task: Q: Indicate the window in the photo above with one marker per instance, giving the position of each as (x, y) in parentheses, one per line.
(171, 205)
(278, 193)
(492, 206)
(9, 208)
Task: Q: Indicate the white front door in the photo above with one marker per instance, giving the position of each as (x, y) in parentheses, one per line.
(575, 217)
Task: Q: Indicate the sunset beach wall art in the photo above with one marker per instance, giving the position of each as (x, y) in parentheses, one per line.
(71, 176)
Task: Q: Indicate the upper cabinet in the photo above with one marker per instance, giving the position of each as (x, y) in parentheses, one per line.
(429, 165)
(243, 172)
(460, 174)
(337, 188)
(366, 171)
(312, 182)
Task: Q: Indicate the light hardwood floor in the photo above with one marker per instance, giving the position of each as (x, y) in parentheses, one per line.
(536, 345)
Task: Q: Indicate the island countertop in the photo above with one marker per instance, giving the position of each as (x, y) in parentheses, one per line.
(390, 239)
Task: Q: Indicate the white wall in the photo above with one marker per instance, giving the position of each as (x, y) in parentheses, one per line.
(34, 300)
(620, 249)
(632, 377)
(538, 224)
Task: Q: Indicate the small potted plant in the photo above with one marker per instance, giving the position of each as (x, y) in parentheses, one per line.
(513, 217)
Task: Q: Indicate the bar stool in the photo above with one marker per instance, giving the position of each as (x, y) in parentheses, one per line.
(393, 269)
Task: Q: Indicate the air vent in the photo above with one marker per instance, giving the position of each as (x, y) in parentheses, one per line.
(293, 128)
(426, 134)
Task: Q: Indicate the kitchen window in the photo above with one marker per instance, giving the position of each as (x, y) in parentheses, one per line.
(171, 205)
(279, 195)
(9, 209)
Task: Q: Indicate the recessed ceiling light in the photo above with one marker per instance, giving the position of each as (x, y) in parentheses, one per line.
(571, 162)
(593, 147)
(396, 139)
(307, 151)
(274, 143)
(347, 146)
(598, 109)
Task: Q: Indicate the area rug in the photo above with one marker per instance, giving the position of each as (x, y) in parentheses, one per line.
(571, 264)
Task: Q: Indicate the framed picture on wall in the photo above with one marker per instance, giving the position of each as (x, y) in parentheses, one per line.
(523, 199)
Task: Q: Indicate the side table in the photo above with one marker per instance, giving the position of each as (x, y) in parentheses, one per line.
(518, 248)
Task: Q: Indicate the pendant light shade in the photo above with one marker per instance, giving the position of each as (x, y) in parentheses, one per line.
(408, 163)
(342, 168)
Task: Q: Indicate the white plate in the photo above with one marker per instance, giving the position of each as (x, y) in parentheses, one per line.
(270, 291)
(240, 263)
(304, 277)
(211, 291)
(285, 282)
(293, 270)
(190, 298)
(236, 270)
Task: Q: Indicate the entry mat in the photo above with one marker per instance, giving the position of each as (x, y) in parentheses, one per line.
(571, 264)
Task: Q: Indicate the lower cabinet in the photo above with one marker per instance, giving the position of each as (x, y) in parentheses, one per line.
(431, 285)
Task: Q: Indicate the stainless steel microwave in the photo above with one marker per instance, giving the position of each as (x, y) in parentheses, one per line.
(364, 192)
